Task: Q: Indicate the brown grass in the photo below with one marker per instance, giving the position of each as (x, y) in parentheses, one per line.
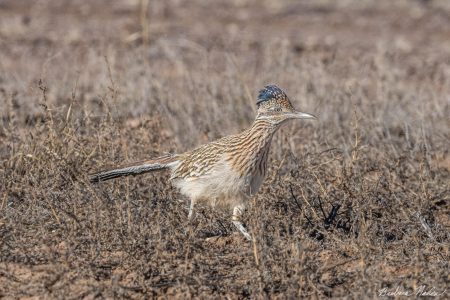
(354, 203)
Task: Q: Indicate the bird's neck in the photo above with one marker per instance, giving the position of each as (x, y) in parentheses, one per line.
(263, 127)
(249, 151)
(266, 125)
(261, 133)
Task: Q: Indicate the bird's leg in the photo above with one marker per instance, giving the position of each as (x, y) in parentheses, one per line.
(237, 212)
(191, 209)
(188, 229)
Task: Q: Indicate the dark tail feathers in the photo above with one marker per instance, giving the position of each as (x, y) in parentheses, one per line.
(155, 164)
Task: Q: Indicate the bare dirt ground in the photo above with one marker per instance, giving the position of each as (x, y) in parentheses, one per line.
(355, 205)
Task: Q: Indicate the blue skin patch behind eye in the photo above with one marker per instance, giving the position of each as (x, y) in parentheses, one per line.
(269, 92)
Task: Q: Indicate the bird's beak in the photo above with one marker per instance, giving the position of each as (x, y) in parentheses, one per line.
(302, 115)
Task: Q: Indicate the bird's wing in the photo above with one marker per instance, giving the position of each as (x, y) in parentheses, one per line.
(199, 162)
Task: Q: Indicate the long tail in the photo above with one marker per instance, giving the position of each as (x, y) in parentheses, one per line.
(155, 164)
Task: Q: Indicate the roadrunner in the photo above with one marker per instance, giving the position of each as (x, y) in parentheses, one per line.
(227, 172)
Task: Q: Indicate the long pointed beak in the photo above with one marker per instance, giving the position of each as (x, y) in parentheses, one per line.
(302, 115)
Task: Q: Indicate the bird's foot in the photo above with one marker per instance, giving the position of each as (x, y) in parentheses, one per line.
(242, 229)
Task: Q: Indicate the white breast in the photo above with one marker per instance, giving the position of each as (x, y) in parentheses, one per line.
(222, 186)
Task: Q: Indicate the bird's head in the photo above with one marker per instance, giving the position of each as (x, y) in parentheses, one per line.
(275, 106)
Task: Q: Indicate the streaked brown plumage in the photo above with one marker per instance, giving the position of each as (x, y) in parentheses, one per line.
(227, 172)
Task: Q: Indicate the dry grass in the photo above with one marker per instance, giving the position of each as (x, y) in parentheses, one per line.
(354, 203)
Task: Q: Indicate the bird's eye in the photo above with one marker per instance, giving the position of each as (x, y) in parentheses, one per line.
(277, 109)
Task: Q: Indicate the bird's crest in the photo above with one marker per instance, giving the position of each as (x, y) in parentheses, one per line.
(270, 92)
